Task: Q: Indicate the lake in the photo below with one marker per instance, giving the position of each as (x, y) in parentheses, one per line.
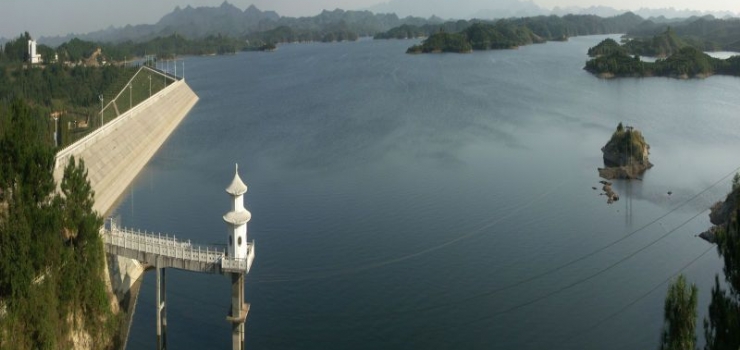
(435, 201)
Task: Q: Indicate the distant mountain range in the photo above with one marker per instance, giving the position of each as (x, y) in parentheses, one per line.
(461, 9)
(229, 20)
(486, 9)
(667, 13)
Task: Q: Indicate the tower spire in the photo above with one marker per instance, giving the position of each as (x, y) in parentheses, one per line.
(237, 186)
(237, 218)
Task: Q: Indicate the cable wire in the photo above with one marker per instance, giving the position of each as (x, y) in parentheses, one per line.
(635, 301)
(566, 287)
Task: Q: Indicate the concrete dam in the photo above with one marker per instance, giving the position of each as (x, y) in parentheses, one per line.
(116, 153)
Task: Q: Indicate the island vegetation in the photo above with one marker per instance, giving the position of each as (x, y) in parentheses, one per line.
(679, 49)
(706, 33)
(662, 45)
(625, 155)
(688, 62)
(506, 33)
(443, 42)
(479, 36)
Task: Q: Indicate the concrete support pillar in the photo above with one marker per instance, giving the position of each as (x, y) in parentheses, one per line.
(239, 311)
(161, 309)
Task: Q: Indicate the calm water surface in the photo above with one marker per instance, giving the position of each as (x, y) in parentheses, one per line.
(435, 201)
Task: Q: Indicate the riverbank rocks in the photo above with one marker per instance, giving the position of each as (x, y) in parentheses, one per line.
(625, 155)
(720, 215)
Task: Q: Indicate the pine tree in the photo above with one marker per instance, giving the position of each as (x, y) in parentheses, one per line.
(680, 316)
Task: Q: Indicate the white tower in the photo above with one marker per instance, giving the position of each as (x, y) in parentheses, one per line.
(33, 57)
(237, 219)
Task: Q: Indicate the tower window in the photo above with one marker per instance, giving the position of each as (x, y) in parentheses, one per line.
(240, 241)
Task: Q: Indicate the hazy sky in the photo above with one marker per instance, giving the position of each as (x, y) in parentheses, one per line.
(59, 17)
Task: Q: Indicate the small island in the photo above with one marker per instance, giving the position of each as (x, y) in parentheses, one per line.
(442, 42)
(625, 155)
(479, 36)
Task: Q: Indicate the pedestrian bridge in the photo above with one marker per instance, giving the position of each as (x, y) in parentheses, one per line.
(165, 251)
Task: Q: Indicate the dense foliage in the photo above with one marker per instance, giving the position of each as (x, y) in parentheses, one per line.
(79, 85)
(443, 42)
(285, 34)
(628, 141)
(404, 31)
(478, 36)
(408, 31)
(706, 33)
(509, 33)
(501, 35)
(51, 256)
(723, 321)
(69, 92)
(680, 316)
(606, 48)
(560, 28)
(687, 62)
(662, 45)
(722, 325)
(545, 27)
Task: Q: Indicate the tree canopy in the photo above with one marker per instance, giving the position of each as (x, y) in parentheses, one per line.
(50, 250)
(680, 316)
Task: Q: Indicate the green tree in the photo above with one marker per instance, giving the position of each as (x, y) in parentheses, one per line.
(722, 327)
(51, 254)
(680, 316)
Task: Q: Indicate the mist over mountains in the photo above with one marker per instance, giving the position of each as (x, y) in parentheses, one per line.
(229, 20)
(486, 9)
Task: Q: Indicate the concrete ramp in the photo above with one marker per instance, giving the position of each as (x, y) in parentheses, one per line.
(116, 153)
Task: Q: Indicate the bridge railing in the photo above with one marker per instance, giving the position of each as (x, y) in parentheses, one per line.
(159, 244)
(231, 264)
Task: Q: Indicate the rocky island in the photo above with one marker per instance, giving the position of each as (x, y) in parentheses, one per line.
(625, 155)
(722, 212)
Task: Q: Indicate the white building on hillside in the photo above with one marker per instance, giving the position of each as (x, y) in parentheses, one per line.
(33, 56)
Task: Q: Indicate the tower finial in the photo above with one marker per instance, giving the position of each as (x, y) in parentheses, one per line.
(237, 187)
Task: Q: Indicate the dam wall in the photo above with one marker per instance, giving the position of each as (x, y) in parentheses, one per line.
(116, 153)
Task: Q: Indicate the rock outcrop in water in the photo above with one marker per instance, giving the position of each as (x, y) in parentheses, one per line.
(721, 213)
(625, 155)
(611, 196)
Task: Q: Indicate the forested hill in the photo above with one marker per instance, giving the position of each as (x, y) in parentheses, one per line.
(681, 57)
(710, 33)
(465, 36)
(688, 62)
(661, 45)
(545, 27)
(479, 36)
